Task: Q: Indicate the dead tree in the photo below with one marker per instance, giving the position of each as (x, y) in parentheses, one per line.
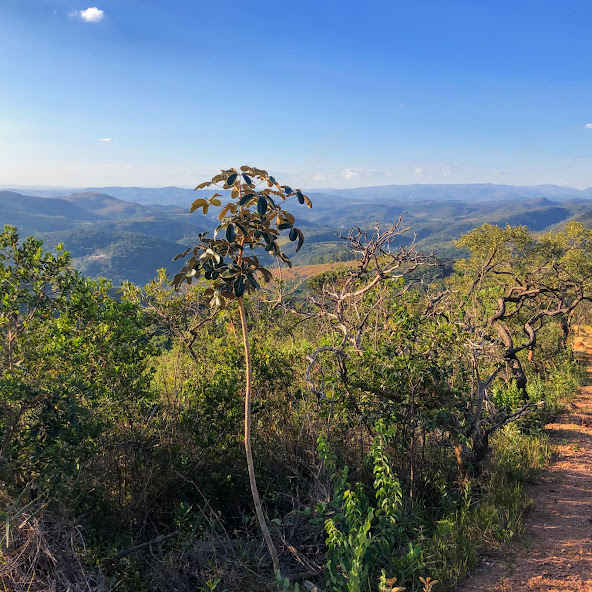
(383, 255)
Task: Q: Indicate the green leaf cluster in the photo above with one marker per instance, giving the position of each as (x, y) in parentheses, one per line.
(253, 218)
(365, 533)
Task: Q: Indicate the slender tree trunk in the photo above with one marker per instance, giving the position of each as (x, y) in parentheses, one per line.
(412, 448)
(512, 359)
(249, 454)
(564, 324)
(518, 374)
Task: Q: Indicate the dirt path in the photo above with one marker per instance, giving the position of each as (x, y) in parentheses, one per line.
(555, 552)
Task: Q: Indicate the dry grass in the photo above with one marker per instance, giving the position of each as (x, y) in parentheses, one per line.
(582, 338)
(42, 553)
(304, 272)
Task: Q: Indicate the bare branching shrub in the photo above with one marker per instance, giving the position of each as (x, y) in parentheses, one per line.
(383, 254)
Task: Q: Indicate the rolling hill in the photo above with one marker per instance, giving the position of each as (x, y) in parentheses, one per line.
(108, 207)
(18, 203)
(118, 256)
(129, 232)
(40, 214)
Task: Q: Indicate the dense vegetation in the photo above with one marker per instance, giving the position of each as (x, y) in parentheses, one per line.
(397, 415)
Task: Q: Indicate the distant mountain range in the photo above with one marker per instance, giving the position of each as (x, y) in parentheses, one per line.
(129, 232)
(470, 192)
(466, 193)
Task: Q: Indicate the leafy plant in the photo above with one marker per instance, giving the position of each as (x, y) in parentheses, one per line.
(69, 354)
(252, 219)
(363, 535)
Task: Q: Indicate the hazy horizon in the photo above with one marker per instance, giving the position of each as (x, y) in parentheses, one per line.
(7, 186)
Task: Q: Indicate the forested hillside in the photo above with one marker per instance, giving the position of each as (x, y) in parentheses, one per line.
(108, 207)
(439, 215)
(397, 412)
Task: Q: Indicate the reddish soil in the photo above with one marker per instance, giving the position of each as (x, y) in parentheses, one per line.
(303, 272)
(555, 552)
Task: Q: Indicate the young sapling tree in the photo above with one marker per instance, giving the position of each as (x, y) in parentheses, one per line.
(251, 220)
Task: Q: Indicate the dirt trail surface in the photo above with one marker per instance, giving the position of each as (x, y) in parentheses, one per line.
(555, 552)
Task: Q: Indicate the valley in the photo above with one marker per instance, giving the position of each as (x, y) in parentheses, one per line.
(126, 233)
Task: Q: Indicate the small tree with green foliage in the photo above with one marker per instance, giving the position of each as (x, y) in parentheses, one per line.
(510, 286)
(71, 356)
(251, 220)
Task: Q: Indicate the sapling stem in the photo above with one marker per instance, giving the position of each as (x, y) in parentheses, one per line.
(248, 452)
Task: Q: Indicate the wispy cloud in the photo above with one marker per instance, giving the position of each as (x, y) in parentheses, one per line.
(90, 15)
(114, 166)
(588, 126)
(106, 140)
(354, 173)
(435, 171)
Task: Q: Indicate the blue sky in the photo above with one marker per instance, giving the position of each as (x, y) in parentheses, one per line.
(323, 93)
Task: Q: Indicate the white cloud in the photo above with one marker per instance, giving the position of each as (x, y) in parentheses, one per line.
(418, 171)
(353, 173)
(106, 140)
(588, 126)
(90, 15)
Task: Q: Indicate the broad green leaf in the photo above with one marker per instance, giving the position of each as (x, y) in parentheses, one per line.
(285, 259)
(272, 247)
(239, 286)
(300, 240)
(198, 203)
(262, 205)
(180, 255)
(224, 211)
(266, 274)
(252, 281)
